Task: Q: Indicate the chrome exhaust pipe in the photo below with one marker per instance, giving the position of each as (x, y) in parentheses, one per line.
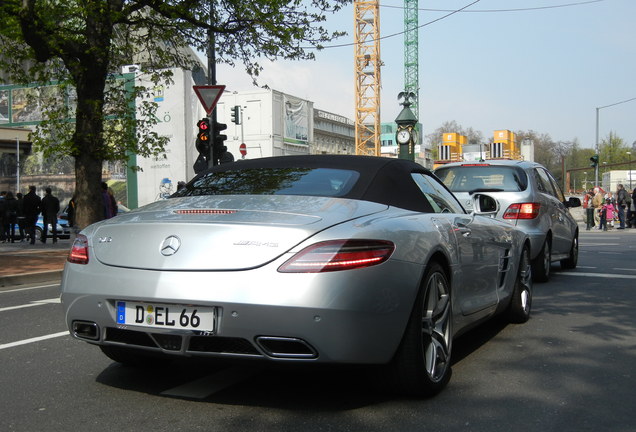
(85, 330)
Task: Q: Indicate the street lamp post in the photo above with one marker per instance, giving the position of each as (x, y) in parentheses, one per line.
(596, 149)
(17, 155)
(629, 172)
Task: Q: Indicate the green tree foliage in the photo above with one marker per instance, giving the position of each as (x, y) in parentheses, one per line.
(613, 149)
(83, 44)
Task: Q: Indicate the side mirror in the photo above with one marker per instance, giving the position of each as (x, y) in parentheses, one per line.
(573, 202)
(485, 205)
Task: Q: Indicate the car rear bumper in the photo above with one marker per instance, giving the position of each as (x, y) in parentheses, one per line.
(358, 317)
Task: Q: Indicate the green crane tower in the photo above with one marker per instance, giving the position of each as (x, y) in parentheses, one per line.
(411, 61)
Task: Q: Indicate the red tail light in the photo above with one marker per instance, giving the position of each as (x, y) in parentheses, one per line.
(79, 250)
(336, 255)
(522, 211)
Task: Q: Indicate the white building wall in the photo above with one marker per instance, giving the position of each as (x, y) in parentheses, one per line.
(265, 121)
(266, 125)
(178, 111)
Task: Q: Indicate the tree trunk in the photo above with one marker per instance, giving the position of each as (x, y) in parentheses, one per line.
(89, 140)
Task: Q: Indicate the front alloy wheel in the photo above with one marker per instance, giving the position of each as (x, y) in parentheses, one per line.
(421, 366)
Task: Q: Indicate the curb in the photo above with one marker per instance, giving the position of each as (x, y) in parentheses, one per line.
(54, 276)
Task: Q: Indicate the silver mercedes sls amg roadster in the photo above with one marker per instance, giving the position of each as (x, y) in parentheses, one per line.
(314, 259)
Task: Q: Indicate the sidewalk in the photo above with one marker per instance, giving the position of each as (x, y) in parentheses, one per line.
(24, 263)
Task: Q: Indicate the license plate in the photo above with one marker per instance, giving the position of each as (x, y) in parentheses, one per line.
(165, 316)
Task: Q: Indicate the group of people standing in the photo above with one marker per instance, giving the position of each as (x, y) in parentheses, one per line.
(603, 209)
(22, 212)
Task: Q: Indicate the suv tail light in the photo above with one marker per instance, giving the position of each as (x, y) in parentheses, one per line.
(79, 250)
(336, 255)
(522, 211)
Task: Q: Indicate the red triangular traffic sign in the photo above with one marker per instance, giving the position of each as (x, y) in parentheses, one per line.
(209, 95)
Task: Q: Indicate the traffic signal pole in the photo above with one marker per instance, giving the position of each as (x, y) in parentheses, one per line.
(212, 81)
(596, 150)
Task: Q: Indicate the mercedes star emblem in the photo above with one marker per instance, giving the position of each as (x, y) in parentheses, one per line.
(170, 245)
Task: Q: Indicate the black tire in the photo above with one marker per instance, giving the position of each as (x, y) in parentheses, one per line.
(541, 264)
(571, 261)
(134, 357)
(521, 302)
(38, 233)
(422, 363)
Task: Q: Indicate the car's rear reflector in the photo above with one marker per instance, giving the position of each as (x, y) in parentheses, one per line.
(522, 211)
(475, 164)
(79, 250)
(336, 255)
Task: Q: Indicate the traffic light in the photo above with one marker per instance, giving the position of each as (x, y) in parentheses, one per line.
(202, 144)
(218, 146)
(203, 137)
(594, 160)
(236, 114)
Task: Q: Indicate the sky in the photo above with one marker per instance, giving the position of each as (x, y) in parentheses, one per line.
(541, 65)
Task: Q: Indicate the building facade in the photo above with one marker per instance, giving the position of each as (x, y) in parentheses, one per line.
(333, 134)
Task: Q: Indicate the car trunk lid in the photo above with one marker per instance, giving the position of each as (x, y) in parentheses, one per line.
(218, 233)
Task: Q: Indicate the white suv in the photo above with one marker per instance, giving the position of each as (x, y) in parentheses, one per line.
(530, 198)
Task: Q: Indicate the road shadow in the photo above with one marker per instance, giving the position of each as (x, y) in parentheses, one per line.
(292, 386)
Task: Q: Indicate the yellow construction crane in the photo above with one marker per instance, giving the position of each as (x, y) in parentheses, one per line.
(367, 75)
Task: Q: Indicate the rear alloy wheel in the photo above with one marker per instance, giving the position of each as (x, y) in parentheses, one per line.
(571, 261)
(541, 264)
(421, 366)
(521, 301)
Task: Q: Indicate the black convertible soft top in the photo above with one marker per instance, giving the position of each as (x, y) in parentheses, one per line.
(382, 180)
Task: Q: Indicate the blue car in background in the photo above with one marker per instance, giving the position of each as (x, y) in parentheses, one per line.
(63, 231)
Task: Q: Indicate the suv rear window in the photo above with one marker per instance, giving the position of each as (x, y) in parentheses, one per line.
(468, 178)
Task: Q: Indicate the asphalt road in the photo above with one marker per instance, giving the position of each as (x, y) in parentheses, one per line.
(570, 368)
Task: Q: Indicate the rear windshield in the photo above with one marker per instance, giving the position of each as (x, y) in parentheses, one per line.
(465, 178)
(323, 182)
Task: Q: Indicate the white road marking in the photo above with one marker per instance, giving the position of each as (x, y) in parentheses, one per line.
(625, 269)
(601, 275)
(28, 288)
(208, 385)
(32, 340)
(31, 304)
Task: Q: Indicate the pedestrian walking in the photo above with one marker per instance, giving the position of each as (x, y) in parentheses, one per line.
(70, 212)
(597, 204)
(621, 205)
(589, 209)
(107, 202)
(4, 223)
(20, 217)
(11, 216)
(113, 201)
(31, 206)
(50, 209)
(631, 214)
(607, 214)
